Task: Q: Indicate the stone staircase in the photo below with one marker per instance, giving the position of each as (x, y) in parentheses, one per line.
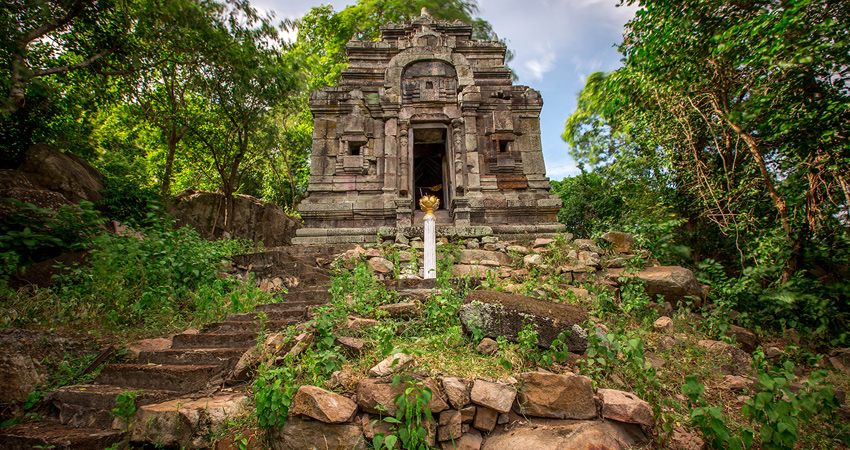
(195, 366)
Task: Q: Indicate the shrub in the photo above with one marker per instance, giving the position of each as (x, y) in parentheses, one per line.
(167, 279)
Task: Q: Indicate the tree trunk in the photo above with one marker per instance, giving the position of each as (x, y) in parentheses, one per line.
(169, 165)
(778, 201)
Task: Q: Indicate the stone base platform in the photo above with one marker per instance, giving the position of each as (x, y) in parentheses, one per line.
(367, 235)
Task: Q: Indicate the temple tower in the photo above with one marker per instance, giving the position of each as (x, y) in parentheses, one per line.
(426, 110)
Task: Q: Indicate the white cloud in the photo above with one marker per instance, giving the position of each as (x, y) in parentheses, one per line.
(560, 171)
(541, 64)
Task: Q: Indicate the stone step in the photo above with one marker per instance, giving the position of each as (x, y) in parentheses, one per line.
(56, 436)
(237, 326)
(90, 405)
(214, 340)
(310, 301)
(311, 250)
(305, 295)
(181, 379)
(293, 316)
(225, 357)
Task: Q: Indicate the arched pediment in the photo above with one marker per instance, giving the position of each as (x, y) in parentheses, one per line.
(419, 63)
(429, 81)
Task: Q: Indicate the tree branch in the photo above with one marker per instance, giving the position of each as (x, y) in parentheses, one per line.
(70, 67)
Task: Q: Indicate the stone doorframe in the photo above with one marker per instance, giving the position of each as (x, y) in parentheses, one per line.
(449, 181)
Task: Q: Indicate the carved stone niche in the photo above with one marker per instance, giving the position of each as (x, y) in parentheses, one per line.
(503, 154)
(354, 156)
(429, 81)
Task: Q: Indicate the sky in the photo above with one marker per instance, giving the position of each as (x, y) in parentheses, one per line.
(556, 45)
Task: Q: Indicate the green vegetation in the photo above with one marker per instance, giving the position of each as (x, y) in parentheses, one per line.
(411, 419)
(168, 280)
(723, 142)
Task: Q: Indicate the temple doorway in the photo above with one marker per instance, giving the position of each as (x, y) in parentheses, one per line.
(429, 165)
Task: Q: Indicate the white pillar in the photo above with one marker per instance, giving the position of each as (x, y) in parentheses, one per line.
(430, 246)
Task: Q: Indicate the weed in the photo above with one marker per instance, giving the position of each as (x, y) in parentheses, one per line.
(411, 419)
(125, 407)
(273, 392)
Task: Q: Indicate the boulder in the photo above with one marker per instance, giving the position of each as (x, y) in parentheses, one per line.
(392, 364)
(501, 314)
(556, 396)
(381, 265)
(739, 360)
(683, 440)
(587, 245)
(456, 391)
(620, 242)
(519, 249)
(403, 310)
(532, 260)
(542, 242)
(149, 345)
(487, 346)
(675, 284)
(251, 218)
(255, 355)
(359, 323)
(300, 434)
(471, 440)
(839, 359)
(46, 273)
(322, 405)
(625, 407)
(19, 374)
(485, 419)
(351, 345)
(591, 259)
(450, 426)
(484, 258)
(472, 270)
(65, 173)
(746, 338)
(663, 323)
(184, 422)
(496, 396)
(372, 392)
(467, 413)
(570, 435)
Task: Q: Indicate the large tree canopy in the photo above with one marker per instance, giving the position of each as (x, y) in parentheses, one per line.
(736, 115)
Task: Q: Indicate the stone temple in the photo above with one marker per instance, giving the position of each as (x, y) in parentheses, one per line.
(426, 110)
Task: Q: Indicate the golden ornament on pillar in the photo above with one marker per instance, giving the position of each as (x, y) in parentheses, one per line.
(429, 203)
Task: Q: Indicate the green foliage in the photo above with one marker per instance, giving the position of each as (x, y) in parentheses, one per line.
(125, 407)
(776, 412)
(709, 420)
(621, 354)
(36, 234)
(559, 350)
(169, 278)
(273, 392)
(725, 132)
(411, 418)
(126, 199)
(813, 308)
(358, 291)
(527, 340)
(443, 308)
(590, 204)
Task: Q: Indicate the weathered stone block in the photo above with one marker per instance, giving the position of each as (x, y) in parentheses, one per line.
(501, 314)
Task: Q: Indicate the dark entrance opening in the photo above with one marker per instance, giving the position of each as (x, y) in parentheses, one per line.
(429, 153)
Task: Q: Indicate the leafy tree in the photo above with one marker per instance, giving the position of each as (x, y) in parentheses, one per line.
(242, 82)
(736, 116)
(744, 105)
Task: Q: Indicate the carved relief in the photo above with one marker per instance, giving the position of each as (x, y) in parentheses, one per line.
(429, 81)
